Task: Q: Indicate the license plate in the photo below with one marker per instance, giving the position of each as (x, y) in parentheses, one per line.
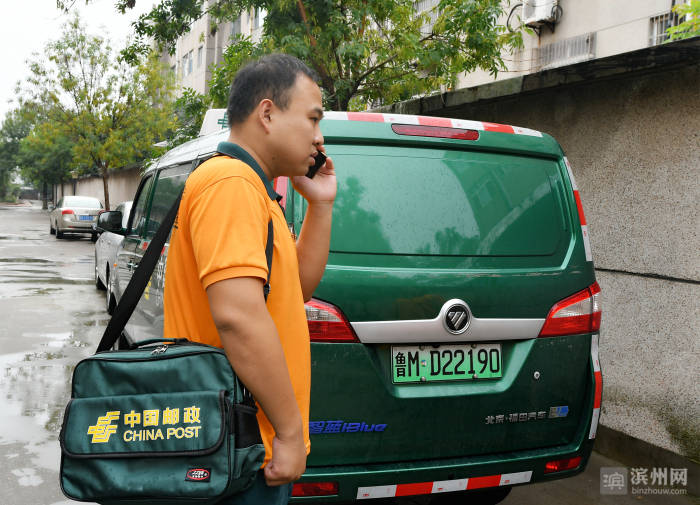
(85, 218)
(429, 363)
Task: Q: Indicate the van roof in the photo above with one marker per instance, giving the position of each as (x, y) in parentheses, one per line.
(370, 127)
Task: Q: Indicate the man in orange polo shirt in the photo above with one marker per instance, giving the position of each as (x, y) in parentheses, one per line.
(217, 265)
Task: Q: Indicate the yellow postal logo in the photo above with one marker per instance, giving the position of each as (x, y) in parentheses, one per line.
(104, 428)
(139, 421)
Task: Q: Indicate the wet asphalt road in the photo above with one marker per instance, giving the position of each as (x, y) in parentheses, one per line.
(51, 316)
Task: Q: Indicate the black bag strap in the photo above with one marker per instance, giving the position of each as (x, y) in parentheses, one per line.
(139, 280)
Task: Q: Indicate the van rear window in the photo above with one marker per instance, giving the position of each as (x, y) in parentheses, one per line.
(415, 201)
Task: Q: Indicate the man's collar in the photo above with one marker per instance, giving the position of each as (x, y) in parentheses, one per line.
(237, 152)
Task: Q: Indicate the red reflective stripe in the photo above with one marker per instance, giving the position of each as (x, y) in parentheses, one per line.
(366, 116)
(579, 206)
(281, 184)
(598, 389)
(494, 127)
(479, 482)
(413, 489)
(434, 121)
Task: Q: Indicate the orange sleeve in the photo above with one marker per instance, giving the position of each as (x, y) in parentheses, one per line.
(228, 226)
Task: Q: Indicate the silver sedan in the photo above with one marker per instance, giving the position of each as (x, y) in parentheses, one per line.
(74, 214)
(106, 256)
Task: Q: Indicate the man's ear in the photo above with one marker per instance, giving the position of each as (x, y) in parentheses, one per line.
(264, 113)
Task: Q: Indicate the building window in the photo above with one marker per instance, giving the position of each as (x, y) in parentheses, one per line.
(236, 26)
(200, 54)
(256, 19)
(190, 57)
(184, 65)
(659, 24)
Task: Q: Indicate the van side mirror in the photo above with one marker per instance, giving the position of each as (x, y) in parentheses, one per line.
(110, 221)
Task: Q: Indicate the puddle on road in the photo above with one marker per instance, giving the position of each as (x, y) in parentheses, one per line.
(24, 260)
(19, 237)
(35, 388)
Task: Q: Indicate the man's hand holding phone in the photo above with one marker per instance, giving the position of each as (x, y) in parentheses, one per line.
(319, 184)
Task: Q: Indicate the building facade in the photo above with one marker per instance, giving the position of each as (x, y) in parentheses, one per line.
(202, 47)
(565, 32)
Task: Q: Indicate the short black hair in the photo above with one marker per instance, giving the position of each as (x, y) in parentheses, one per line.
(271, 77)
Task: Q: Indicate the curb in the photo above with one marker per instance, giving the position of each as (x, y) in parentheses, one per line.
(638, 453)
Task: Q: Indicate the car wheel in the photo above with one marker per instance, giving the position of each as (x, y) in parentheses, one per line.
(111, 303)
(93, 237)
(490, 496)
(52, 230)
(59, 233)
(98, 283)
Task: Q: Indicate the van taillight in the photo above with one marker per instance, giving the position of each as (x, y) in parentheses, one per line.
(579, 313)
(327, 323)
(560, 465)
(314, 488)
(435, 131)
(67, 211)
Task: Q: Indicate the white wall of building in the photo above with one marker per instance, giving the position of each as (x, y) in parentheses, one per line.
(202, 47)
(616, 26)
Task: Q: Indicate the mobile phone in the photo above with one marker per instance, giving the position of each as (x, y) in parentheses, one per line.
(320, 160)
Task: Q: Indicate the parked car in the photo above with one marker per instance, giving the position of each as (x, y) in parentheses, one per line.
(455, 331)
(74, 214)
(106, 255)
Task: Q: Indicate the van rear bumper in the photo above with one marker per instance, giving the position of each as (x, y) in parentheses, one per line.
(364, 482)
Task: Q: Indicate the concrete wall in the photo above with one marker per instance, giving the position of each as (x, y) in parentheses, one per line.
(634, 144)
(122, 187)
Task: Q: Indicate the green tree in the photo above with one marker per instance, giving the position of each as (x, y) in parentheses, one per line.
(691, 26)
(363, 50)
(16, 125)
(111, 113)
(190, 109)
(45, 156)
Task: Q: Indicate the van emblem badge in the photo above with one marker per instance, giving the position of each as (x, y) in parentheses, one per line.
(457, 319)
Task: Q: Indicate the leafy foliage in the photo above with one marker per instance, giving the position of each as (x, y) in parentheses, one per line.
(109, 113)
(363, 50)
(190, 109)
(691, 26)
(15, 127)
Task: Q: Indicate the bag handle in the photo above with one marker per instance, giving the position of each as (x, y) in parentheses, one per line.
(139, 280)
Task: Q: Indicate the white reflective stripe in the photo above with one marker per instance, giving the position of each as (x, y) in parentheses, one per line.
(571, 173)
(594, 424)
(586, 243)
(400, 118)
(526, 131)
(334, 114)
(365, 493)
(594, 352)
(508, 479)
(447, 486)
(467, 124)
(411, 119)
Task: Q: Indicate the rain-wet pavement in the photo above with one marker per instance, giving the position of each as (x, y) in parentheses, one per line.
(51, 316)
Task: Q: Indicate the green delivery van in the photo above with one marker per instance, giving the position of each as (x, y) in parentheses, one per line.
(455, 331)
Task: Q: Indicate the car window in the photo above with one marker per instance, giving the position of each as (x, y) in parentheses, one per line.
(83, 202)
(60, 203)
(168, 186)
(138, 218)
